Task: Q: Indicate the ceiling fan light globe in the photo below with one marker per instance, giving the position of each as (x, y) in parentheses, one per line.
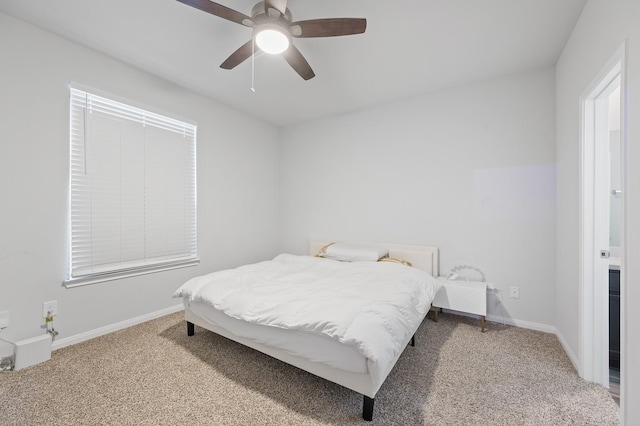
(272, 41)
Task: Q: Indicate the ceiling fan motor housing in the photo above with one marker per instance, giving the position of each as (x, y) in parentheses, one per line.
(259, 15)
(271, 20)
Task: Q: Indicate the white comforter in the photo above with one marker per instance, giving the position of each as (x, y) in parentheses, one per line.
(373, 306)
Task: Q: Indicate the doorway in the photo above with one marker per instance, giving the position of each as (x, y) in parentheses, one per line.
(615, 224)
(602, 198)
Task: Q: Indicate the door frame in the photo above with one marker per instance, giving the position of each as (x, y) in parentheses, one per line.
(594, 219)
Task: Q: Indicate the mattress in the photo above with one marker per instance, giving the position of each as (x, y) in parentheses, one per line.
(313, 347)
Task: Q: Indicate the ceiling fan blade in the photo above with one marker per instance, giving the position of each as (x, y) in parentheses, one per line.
(279, 5)
(220, 11)
(293, 56)
(243, 53)
(330, 27)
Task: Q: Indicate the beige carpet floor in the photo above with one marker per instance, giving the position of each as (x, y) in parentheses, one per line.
(153, 374)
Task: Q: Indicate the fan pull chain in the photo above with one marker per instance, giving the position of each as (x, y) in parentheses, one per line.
(253, 65)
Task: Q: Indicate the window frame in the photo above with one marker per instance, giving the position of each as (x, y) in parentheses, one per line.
(83, 102)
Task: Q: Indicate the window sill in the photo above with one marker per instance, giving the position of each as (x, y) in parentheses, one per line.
(117, 275)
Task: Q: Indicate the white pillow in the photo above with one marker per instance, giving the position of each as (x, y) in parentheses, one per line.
(354, 252)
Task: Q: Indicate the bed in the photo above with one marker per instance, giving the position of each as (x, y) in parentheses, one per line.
(340, 354)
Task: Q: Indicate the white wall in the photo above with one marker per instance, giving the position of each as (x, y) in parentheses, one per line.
(237, 183)
(470, 169)
(601, 29)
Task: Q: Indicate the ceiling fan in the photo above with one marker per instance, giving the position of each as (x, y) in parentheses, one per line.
(273, 29)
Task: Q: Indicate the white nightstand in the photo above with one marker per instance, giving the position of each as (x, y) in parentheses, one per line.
(462, 296)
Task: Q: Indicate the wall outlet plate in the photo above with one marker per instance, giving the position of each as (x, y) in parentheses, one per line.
(4, 319)
(50, 308)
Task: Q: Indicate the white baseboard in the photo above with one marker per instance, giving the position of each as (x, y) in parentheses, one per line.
(508, 321)
(523, 324)
(72, 340)
(569, 352)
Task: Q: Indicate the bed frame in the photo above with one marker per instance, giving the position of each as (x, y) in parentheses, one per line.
(422, 257)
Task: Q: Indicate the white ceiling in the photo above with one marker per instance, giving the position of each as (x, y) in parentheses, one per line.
(410, 47)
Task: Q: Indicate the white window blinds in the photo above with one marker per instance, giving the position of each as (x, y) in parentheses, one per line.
(132, 191)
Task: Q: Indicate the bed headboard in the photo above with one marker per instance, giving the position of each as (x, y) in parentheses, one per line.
(422, 257)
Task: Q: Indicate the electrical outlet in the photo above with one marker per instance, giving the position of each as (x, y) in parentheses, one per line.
(514, 292)
(50, 308)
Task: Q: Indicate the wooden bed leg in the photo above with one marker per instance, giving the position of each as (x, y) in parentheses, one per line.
(413, 340)
(190, 329)
(367, 408)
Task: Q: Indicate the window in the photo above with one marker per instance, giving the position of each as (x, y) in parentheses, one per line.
(132, 191)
